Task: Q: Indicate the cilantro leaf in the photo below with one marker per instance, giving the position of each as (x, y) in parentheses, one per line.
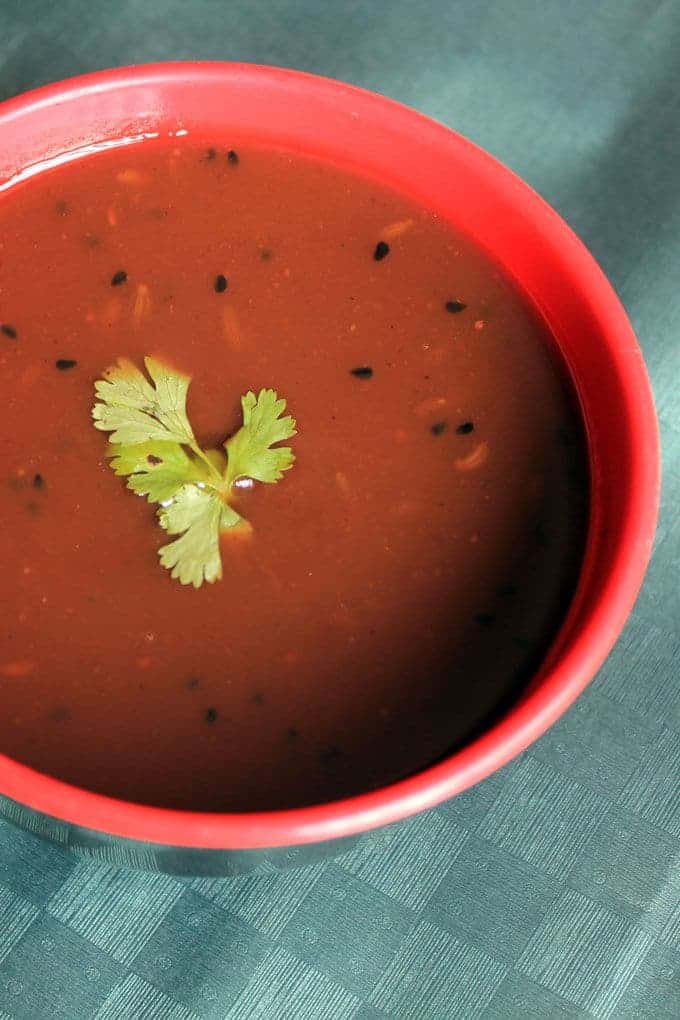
(198, 516)
(157, 469)
(248, 452)
(134, 411)
(154, 446)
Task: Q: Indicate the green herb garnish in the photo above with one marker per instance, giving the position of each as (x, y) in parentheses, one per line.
(153, 444)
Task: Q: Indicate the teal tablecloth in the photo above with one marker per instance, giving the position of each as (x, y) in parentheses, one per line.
(553, 889)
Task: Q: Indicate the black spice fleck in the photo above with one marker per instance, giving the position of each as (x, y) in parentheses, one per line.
(221, 283)
(363, 372)
(454, 306)
(120, 276)
(192, 683)
(540, 534)
(292, 733)
(211, 154)
(258, 698)
(382, 249)
(62, 208)
(232, 156)
(266, 254)
(438, 428)
(9, 331)
(507, 590)
(485, 619)
(330, 755)
(211, 715)
(60, 713)
(63, 364)
(465, 428)
(38, 481)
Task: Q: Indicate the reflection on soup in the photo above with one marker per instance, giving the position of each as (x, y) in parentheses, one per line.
(399, 585)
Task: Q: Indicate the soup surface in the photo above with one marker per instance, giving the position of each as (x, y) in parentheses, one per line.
(400, 583)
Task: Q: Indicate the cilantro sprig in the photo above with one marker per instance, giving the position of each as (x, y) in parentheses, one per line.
(154, 446)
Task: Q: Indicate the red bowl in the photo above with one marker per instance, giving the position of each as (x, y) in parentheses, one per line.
(443, 171)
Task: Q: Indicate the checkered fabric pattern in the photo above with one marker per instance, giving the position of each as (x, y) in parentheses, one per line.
(553, 888)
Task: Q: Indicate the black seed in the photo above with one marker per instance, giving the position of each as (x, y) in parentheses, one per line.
(221, 283)
(437, 428)
(193, 682)
(9, 331)
(382, 249)
(120, 276)
(266, 254)
(258, 698)
(38, 482)
(485, 619)
(454, 306)
(62, 208)
(507, 590)
(232, 156)
(211, 715)
(363, 372)
(211, 154)
(465, 428)
(63, 364)
(292, 733)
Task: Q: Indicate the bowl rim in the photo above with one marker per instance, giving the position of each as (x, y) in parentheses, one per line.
(569, 672)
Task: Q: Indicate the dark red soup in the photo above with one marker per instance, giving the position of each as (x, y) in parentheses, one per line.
(400, 583)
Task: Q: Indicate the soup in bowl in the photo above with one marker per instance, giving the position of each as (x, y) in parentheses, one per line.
(330, 466)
